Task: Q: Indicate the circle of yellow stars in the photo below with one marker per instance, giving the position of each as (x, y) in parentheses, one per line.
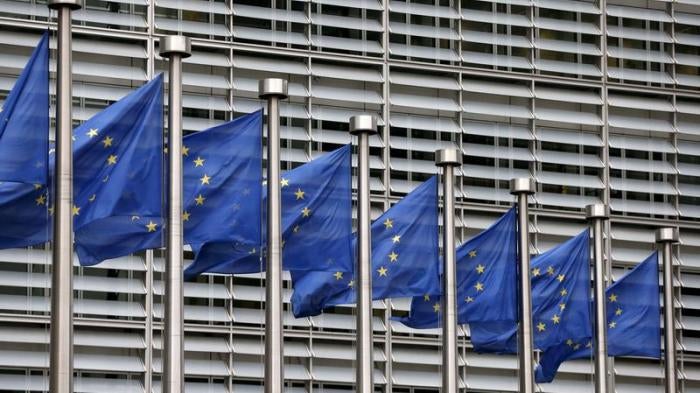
(555, 319)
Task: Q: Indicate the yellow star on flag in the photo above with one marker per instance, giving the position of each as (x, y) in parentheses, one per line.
(382, 271)
(36, 186)
(92, 198)
(570, 342)
(296, 229)
(107, 142)
(561, 277)
(338, 275)
(612, 325)
(469, 299)
(205, 179)
(92, 133)
(612, 298)
(562, 307)
(479, 287)
(541, 327)
(199, 161)
(41, 200)
(393, 257)
(388, 223)
(185, 150)
(618, 312)
(555, 319)
(151, 226)
(112, 159)
(480, 268)
(436, 307)
(199, 201)
(472, 254)
(299, 194)
(351, 283)
(185, 216)
(284, 182)
(76, 210)
(305, 212)
(564, 292)
(550, 271)
(396, 239)
(426, 298)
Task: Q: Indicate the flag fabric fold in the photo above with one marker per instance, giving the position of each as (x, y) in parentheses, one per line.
(118, 174)
(486, 279)
(316, 223)
(405, 259)
(633, 319)
(24, 145)
(560, 301)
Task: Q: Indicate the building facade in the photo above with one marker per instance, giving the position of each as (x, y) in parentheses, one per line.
(596, 99)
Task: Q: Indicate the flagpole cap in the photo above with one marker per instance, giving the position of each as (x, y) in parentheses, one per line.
(363, 123)
(448, 157)
(597, 210)
(667, 235)
(72, 4)
(175, 45)
(272, 87)
(522, 185)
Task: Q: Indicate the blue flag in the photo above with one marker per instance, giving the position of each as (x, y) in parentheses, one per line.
(634, 326)
(486, 280)
(560, 301)
(24, 141)
(118, 172)
(405, 259)
(222, 175)
(316, 223)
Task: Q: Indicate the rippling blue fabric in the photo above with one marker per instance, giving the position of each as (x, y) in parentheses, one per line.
(633, 318)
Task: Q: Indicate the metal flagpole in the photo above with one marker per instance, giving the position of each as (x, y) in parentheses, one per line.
(597, 214)
(522, 187)
(448, 159)
(363, 126)
(665, 237)
(175, 48)
(61, 344)
(273, 90)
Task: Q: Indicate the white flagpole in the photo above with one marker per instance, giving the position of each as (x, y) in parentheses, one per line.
(61, 341)
(597, 214)
(448, 159)
(522, 187)
(665, 238)
(175, 48)
(363, 126)
(273, 90)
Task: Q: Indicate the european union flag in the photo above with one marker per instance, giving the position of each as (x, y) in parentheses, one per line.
(116, 153)
(405, 260)
(560, 301)
(24, 141)
(486, 280)
(634, 327)
(316, 223)
(222, 175)
(222, 171)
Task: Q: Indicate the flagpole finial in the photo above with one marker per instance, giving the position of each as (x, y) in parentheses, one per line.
(445, 157)
(522, 185)
(272, 87)
(175, 45)
(597, 210)
(667, 235)
(72, 4)
(363, 123)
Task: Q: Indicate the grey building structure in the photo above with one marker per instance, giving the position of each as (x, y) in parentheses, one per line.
(596, 99)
